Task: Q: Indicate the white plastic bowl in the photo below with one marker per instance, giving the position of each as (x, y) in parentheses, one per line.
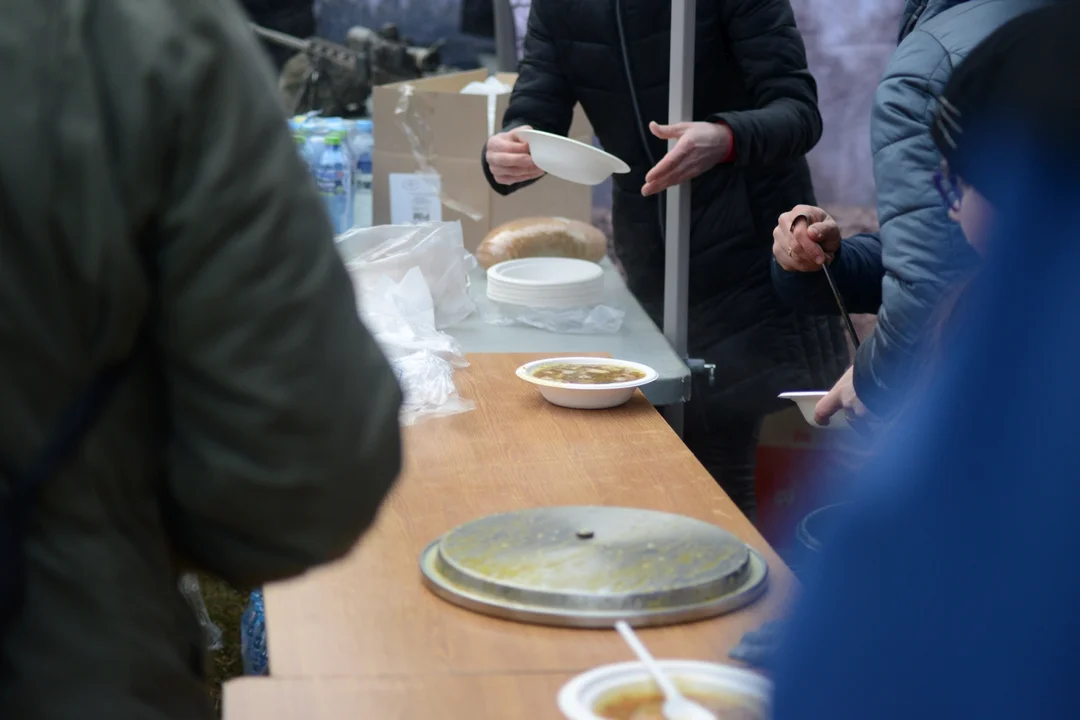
(546, 282)
(807, 401)
(545, 272)
(571, 160)
(586, 397)
(578, 698)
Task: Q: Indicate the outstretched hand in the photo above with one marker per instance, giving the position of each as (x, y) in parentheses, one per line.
(699, 147)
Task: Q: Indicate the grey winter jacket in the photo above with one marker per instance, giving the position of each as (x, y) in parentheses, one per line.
(918, 253)
(148, 180)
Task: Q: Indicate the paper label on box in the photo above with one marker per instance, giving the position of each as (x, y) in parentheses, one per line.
(415, 198)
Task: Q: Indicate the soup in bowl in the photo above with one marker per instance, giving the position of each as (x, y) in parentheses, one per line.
(586, 383)
(626, 691)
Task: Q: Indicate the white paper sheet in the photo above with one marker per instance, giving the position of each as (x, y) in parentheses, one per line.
(415, 198)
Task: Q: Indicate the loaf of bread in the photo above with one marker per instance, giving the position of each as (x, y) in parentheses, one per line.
(542, 237)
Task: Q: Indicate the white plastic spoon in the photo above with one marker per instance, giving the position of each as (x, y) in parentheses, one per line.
(676, 706)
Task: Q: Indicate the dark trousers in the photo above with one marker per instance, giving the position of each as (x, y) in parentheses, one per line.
(726, 444)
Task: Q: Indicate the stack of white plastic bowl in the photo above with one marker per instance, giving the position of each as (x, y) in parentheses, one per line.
(546, 282)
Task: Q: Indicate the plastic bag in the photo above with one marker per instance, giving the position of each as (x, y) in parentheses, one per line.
(593, 320)
(253, 637)
(436, 249)
(189, 588)
(603, 319)
(400, 315)
(428, 382)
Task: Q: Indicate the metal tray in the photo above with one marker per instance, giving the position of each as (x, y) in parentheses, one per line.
(590, 566)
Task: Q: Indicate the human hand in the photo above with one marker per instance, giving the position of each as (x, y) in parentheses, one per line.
(841, 397)
(699, 146)
(805, 238)
(509, 159)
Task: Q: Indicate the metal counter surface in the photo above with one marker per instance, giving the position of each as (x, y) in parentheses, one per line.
(638, 340)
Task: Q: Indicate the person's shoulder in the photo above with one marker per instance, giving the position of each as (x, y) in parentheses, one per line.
(151, 29)
(172, 46)
(962, 27)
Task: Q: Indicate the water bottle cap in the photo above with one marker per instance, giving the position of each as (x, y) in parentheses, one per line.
(333, 139)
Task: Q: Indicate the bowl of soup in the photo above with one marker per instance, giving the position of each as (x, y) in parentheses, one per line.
(626, 691)
(586, 383)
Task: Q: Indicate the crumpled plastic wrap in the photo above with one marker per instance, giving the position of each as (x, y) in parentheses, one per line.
(189, 588)
(436, 249)
(603, 319)
(401, 317)
(415, 115)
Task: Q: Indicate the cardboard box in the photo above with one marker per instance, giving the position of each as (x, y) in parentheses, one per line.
(427, 127)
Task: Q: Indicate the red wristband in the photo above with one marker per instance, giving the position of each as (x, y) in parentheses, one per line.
(731, 154)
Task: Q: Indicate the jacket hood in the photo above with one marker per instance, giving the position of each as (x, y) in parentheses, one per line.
(919, 11)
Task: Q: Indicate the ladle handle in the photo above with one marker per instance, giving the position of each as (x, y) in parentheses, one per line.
(849, 326)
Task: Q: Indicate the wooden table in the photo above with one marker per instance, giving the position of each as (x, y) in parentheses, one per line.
(418, 697)
(369, 615)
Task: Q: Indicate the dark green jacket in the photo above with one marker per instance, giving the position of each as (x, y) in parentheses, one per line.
(257, 437)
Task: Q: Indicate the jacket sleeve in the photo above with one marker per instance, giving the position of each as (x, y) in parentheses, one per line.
(785, 122)
(542, 97)
(923, 251)
(856, 270)
(284, 412)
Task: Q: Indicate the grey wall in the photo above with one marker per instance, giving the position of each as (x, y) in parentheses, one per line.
(848, 43)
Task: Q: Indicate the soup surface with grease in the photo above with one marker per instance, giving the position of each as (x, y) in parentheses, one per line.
(646, 705)
(586, 374)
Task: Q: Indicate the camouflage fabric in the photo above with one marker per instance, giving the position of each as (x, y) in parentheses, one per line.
(338, 92)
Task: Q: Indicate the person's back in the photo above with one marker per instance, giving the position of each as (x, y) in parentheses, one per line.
(148, 180)
(922, 253)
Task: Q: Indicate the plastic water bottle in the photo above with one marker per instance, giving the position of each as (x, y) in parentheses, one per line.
(302, 148)
(333, 177)
(253, 636)
(362, 200)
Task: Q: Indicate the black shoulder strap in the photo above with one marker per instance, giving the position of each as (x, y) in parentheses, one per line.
(17, 506)
(74, 424)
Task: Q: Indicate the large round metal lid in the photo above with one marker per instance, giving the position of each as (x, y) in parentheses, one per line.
(591, 566)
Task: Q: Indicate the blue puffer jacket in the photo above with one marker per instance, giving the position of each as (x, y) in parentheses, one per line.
(918, 253)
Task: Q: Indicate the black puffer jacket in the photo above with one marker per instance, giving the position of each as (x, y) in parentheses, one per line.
(751, 74)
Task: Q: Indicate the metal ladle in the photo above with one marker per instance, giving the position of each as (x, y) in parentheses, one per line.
(832, 286)
(855, 423)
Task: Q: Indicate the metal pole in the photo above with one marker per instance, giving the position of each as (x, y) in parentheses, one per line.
(506, 54)
(677, 243)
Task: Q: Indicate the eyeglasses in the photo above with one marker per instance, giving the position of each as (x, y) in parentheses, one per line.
(949, 187)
